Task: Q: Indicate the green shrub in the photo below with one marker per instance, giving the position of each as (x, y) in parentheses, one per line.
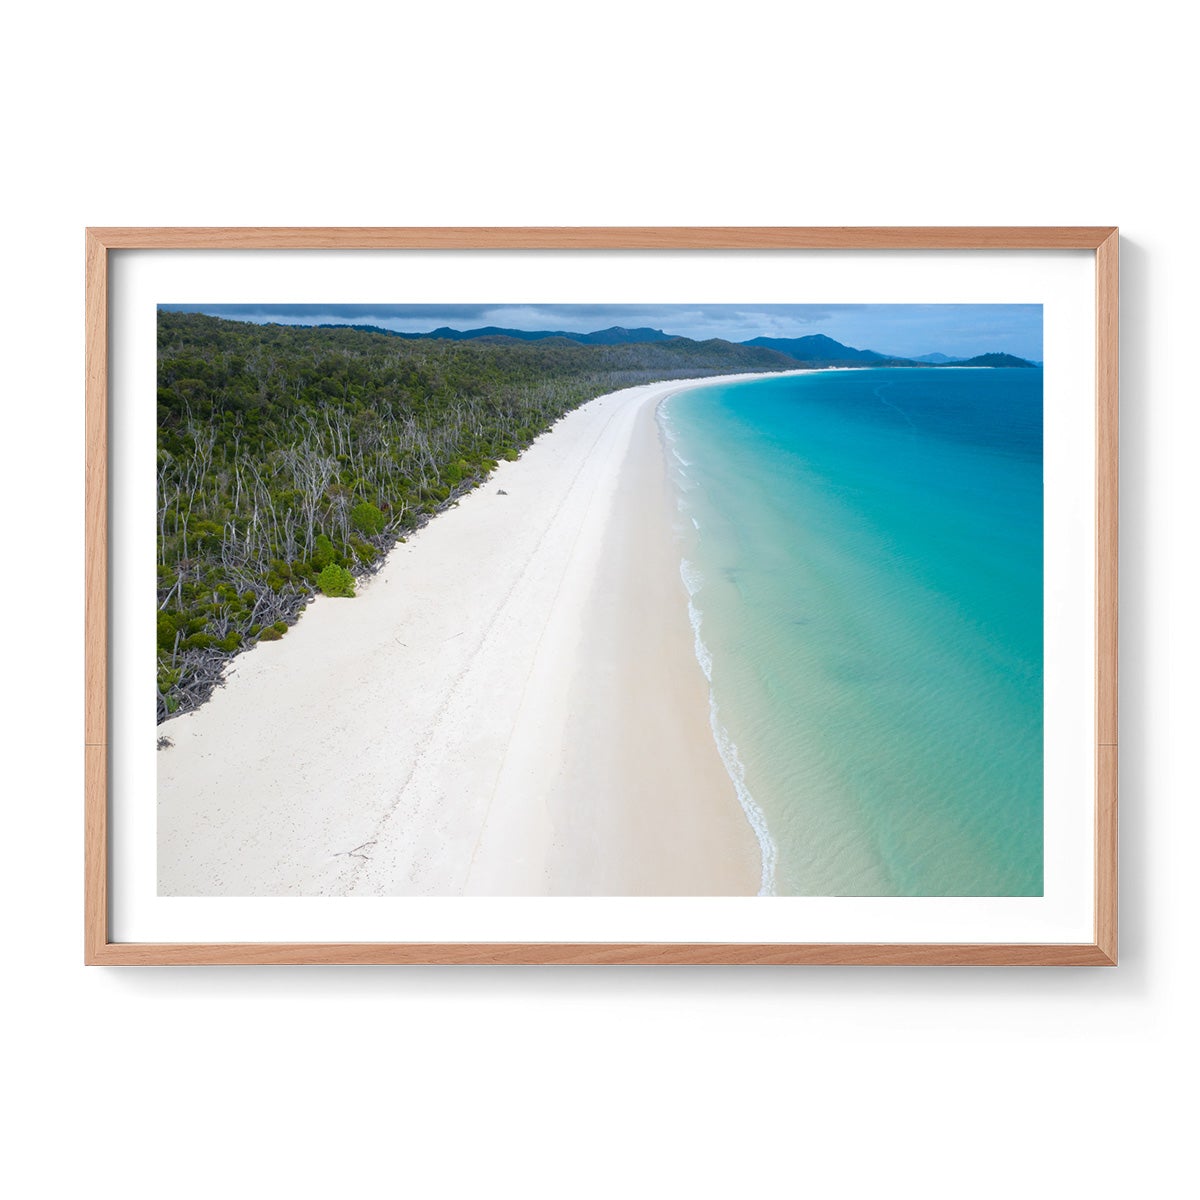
(336, 581)
(366, 518)
(205, 535)
(167, 628)
(270, 634)
(323, 552)
(363, 550)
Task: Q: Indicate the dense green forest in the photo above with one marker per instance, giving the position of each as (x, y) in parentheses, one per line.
(290, 459)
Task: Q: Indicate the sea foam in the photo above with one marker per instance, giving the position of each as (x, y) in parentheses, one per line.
(693, 581)
(736, 770)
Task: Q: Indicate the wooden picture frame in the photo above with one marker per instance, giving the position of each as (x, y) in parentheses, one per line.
(102, 243)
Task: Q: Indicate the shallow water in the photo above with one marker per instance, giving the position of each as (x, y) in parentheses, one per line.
(863, 551)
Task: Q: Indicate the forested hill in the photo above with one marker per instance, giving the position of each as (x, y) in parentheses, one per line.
(291, 458)
(991, 360)
(818, 350)
(615, 335)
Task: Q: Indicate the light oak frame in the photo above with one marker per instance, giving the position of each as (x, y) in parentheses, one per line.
(98, 949)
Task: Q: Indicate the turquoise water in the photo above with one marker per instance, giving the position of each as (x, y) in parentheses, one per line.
(863, 551)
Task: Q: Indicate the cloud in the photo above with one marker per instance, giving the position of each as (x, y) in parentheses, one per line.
(900, 329)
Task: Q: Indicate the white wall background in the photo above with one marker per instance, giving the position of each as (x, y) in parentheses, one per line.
(591, 1082)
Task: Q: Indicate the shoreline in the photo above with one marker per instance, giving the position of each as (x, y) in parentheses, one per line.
(510, 706)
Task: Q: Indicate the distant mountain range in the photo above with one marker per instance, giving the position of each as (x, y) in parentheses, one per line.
(614, 336)
(815, 350)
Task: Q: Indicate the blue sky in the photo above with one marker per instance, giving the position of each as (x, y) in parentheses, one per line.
(900, 329)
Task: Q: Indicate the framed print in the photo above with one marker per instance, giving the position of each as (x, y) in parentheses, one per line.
(585, 595)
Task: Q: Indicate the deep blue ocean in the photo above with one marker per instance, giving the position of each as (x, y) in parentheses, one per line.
(863, 550)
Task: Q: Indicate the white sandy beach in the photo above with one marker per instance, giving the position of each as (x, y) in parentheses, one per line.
(511, 706)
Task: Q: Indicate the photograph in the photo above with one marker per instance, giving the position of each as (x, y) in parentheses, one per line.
(611, 600)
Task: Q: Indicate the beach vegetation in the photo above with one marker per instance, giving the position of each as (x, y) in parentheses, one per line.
(367, 518)
(284, 451)
(336, 581)
(323, 552)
